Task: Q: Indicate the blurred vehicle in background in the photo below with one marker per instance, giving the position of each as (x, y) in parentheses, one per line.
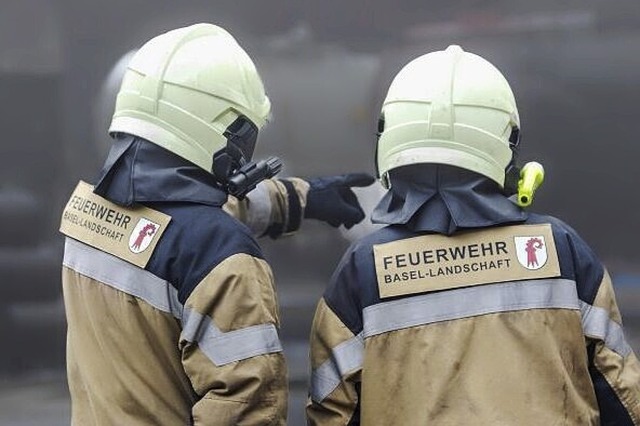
(31, 162)
(326, 65)
(573, 67)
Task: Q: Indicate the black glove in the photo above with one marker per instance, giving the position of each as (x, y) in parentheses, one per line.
(331, 199)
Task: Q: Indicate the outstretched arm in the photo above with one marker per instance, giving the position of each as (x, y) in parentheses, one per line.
(276, 207)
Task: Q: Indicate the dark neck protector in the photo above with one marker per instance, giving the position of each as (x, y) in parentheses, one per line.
(138, 171)
(444, 199)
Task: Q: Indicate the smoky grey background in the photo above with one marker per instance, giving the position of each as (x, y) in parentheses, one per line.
(573, 65)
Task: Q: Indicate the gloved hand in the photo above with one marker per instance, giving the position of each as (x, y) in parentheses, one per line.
(331, 199)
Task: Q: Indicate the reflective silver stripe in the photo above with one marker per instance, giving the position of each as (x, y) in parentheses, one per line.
(121, 275)
(224, 348)
(221, 348)
(345, 358)
(259, 209)
(469, 302)
(596, 323)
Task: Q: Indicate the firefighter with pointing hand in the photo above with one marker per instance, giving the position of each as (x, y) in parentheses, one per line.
(171, 307)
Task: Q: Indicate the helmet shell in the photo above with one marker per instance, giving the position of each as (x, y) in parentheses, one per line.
(183, 88)
(448, 107)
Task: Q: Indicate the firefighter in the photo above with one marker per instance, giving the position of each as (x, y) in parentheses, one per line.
(465, 308)
(171, 307)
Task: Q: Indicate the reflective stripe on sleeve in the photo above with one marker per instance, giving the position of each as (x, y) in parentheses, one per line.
(121, 275)
(236, 345)
(259, 212)
(596, 323)
(345, 358)
(221, 348)
(469, 302)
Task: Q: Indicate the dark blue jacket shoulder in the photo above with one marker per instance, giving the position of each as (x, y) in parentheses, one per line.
(198, 238)
(354, 283)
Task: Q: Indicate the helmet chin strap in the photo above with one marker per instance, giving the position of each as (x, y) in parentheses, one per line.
(512, 171)
(378, 134)
(511, 179)
(384, 179)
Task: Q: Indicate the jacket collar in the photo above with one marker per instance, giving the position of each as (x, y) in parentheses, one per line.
(138, 171)
(444, 199)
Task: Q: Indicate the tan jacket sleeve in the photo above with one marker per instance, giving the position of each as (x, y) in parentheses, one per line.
(612, 356)
(230, 346)
(275, 207)
(336, 363)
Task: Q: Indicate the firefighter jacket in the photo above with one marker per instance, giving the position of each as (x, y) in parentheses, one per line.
(171, 308)
(509, 321)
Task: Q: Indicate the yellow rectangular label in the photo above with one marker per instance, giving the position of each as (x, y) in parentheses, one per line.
(128, 233)
(436, 262)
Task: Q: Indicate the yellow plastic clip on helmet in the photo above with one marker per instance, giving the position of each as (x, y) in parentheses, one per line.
(531, 177)
(448, 107)
(191, 90)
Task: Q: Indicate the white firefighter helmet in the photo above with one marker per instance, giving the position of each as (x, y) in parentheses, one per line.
(448, 107)
(191, 90)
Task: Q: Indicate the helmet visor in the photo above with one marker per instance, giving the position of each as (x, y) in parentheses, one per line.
(242, 136)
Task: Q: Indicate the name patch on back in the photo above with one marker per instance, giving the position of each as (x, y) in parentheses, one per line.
(435, 262)
(128, 233)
